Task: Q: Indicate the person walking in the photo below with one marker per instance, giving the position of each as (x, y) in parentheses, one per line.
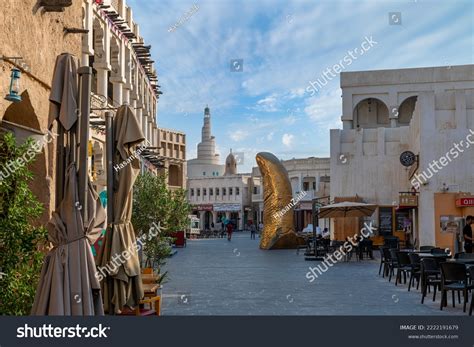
(222, 230)
(467, 234)
(229, 231)
(253, 230)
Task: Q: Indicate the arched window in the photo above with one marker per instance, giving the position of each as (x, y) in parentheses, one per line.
(405, 111)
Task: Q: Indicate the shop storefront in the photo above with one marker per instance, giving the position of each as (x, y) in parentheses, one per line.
(451, 210)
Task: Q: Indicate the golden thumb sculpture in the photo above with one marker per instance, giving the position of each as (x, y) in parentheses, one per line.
(278, 227)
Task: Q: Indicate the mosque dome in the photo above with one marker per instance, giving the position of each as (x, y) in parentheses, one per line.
(230, 164)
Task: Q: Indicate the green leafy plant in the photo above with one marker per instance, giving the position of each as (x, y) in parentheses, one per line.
(20, 240)
(153, 202)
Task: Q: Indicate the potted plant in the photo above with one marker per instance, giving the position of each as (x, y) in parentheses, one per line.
(157, 207)
(21, 241)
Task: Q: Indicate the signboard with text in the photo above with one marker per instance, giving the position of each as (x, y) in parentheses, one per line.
(207, 207)
(227, 207)
(465, 202)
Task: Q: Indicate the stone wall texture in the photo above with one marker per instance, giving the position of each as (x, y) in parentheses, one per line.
(38, 37)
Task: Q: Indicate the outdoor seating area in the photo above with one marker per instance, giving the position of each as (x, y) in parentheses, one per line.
(431, 270)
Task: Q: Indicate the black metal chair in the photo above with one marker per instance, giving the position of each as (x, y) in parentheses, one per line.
(430, 276)
(365, 247)
(454, 279)
(391, 242)
(471, 274)
(404, 266)
(383, 261)
(415, 270)
(392, 262)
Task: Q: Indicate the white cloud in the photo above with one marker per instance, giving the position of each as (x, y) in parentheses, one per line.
(238, 135)
(287, 140)
(270, 136)
(325, 110)
(291, 119)
(268, 104)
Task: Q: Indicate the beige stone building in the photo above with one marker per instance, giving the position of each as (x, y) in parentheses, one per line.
(426, 111)
(172, 150)
(24, 27)
(102, 34)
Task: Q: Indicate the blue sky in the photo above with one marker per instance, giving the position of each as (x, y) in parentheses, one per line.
(284, 45)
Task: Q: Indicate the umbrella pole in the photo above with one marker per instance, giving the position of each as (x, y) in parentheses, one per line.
(315, 211)
(60, 169)
(110, 163)
(85, 76)
(109, 142)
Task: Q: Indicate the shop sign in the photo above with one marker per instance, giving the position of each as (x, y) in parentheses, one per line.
(227, 207)
(305, 206)
(465, 202)
(207, 207)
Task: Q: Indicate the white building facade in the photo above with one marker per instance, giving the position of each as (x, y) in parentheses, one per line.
(215, 191)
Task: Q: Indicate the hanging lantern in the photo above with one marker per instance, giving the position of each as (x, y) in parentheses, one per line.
(14, 94)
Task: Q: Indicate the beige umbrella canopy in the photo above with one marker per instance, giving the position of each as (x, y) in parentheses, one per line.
(68, 284)
(347, 209)
(118, 255)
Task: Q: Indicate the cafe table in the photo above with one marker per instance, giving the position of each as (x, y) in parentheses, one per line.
(462, 261)
(415, 251)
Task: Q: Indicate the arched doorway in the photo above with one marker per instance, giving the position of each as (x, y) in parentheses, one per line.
(371, 113)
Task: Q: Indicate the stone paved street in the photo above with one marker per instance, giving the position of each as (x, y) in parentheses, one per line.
(217, 277)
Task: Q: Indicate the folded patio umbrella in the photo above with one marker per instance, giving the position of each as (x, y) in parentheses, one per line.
(118, 256)
(68, 283)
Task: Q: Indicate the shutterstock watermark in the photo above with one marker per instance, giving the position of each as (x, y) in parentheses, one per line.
(293, 202)
(119, 259)
(434, 167)
(339, 254)
(184, 18)
(37, 146)
(331, 72)
(49, 331)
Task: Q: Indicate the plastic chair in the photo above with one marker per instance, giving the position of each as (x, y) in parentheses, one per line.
(454, 278)
(430, 276)
(392, 262)
(392, 242)
(415, 270)
(404, 266)
(471, 274)
(383, 261)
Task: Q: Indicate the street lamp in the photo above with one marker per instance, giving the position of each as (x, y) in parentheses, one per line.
(14, 92)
